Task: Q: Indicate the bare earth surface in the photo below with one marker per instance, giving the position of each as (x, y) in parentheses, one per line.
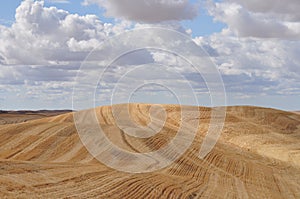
(257, 156)
(11, 117)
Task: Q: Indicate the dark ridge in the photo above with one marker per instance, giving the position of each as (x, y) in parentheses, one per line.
(35, 112)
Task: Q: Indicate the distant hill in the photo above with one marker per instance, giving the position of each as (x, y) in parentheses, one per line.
(11, 117)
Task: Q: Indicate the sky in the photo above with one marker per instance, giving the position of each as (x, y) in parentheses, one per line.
(46, 49)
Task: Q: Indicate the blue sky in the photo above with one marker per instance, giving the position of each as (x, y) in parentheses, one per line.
(255, 48)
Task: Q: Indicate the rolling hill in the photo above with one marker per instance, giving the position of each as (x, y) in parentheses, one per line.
(256, 156)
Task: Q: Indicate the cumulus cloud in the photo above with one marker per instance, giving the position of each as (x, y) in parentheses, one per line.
(42, 50)
(255, 65)
(45, 46)
(286, 10)
(258, 50)
(262, 19)
(43, 35)
(58, 1)
(145, 11)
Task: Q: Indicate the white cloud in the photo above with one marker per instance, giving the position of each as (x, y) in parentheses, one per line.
(44, 47)
(254, 65)
(286, 10)
(146, 11)
(258, 51)
(262, 19)
(42, 35)
(41, 51)
(58, 1)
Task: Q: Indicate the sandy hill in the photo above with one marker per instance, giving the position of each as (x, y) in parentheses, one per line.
(257, 156)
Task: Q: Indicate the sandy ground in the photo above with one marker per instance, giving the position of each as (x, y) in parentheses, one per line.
(11, 117)
(257, 156)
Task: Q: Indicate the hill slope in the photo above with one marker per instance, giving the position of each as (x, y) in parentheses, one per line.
(257, 156)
